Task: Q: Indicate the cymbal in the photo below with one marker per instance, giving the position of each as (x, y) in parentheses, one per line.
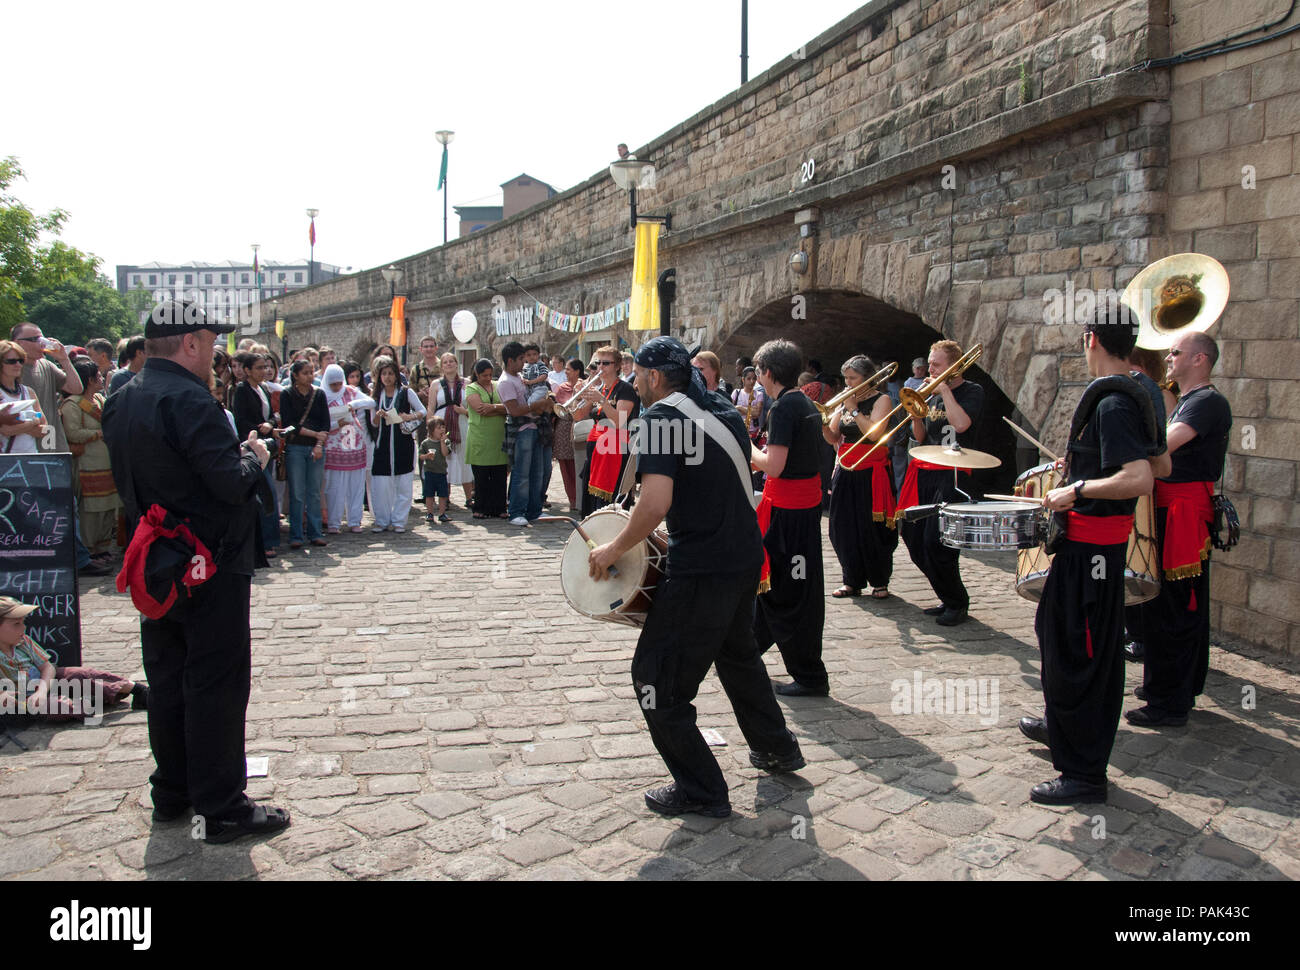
(957, 457)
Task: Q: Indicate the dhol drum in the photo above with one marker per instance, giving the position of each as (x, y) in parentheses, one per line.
(625, 597)
(1005, 526)
(1141, 565)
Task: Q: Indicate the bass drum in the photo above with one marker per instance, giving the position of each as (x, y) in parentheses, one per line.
(623, 598)
(1141, 564)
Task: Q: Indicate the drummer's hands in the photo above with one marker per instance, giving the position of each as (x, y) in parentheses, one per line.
(600, 559)
(1059, 465)
(1059, 499)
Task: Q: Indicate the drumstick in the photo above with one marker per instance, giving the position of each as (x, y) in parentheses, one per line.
(1015, 498)
(1030, 438)
(577, 527)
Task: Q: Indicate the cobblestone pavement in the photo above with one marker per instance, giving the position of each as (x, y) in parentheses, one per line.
(420, 727)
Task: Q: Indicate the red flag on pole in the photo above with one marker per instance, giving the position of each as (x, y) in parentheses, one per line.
(311, 233)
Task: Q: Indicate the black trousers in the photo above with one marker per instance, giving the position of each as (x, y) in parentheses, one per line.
(489, 489)
(940, 564)
(793, 612)
(1177, 627)
(198, 667)
(1080, 627)
(696, 622)
(864, 546)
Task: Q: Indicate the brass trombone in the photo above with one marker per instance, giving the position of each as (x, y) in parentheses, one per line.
(914, 402)
(855, 394)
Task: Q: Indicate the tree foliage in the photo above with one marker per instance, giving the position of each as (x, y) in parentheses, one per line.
(57, 275)
(76, 310)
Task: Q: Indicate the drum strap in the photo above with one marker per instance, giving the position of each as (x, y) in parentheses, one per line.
(712, 426)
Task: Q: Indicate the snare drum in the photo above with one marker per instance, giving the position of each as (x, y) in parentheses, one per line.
(1005, 526)
(624, 598)
(1141, 564)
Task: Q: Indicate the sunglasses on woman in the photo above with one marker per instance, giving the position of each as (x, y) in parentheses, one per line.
(14, 360)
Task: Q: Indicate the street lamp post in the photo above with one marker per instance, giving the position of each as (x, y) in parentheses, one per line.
(392, 275)
(445, 138)
(311, 237)
(631, 174)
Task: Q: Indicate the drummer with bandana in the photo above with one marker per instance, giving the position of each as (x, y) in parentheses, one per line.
(702, 609)
(1080, 620)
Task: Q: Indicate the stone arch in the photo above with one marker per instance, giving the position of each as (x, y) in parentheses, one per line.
(840, 323)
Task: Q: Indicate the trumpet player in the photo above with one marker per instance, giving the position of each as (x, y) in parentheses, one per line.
(954, 409)
(863, 505)
(611, 403)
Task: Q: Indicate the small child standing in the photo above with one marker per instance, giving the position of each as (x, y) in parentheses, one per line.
(433, 474)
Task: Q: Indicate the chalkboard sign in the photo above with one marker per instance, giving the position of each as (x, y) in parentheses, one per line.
(38, 556)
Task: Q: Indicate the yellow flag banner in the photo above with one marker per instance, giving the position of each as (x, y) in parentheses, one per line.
(230, 343)
(279, 328)
(397, 333)
(645, 277)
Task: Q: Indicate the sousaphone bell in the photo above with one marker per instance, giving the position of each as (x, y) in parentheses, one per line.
(1179, 294)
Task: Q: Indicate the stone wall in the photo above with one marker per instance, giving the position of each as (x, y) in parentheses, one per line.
(971, 157)
(1234, 194)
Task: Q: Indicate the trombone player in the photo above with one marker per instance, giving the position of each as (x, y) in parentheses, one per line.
(954, 409)
(863, 506)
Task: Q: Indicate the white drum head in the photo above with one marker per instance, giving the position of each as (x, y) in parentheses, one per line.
(597, 599)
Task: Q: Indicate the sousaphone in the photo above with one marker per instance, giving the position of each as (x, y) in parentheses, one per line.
(1179, 294)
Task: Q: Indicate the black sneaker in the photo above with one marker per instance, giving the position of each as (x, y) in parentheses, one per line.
(952, 617)
(783, 763)
(667, 801)
(1134, 650)
(934, 610)
(1068, 791)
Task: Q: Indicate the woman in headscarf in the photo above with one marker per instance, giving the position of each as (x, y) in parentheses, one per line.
(862, 501)
(448, 398)
(392, 475)
(487, 435)
(345, 450)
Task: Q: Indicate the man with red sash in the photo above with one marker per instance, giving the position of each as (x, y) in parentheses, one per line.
(954, 410)
(1177, 621)
(791, 608)
(1080, 620)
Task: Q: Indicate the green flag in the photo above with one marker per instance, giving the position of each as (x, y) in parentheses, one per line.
(442, 173)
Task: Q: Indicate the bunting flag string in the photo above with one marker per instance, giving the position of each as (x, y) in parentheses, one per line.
(522, 320)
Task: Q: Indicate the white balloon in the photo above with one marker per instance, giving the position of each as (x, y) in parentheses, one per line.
(464, 325)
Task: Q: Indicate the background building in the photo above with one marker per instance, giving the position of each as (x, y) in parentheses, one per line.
(220, 287)
(520, 193)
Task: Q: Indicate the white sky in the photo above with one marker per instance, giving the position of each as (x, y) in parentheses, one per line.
(177, 131)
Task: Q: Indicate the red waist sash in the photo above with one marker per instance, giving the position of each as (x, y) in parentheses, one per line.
(1098, 530)
(784, 493)
(610, 444)
(883, 506)
(1190, 510)
(907, 495)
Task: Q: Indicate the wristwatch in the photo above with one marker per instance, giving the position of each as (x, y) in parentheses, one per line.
(1078, 490)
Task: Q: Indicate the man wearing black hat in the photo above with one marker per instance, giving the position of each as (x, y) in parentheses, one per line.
(692, 451)
(171, 446)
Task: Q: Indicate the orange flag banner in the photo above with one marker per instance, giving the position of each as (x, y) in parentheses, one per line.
(397, 333)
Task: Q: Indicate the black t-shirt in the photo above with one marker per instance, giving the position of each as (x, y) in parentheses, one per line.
(1206, 412)
(623, 391)
(712, 527)
(795, 423)
(1153, 392)
(849, 426)
(1113, 437)
(971, 398)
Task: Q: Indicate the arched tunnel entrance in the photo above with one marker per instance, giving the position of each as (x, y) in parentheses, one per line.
(833, 325)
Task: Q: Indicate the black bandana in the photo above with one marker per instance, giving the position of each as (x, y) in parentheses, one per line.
(667, 354)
